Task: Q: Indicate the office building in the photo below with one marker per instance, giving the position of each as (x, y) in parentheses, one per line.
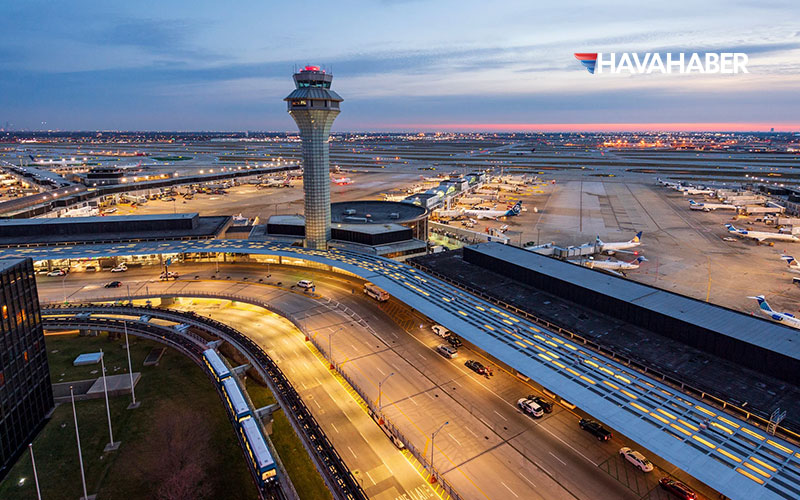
(26, 396)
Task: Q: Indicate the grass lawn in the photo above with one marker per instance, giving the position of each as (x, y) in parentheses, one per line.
(176, 381)
(304, 475)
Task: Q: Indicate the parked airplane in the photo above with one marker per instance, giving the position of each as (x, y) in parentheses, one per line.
(707, 207)
(621, 246)
(794, 266)
(779, 317)
(692, 190)
(494, 214)
(673, 185)
(342, 181)
(760, 236)
(615, 266)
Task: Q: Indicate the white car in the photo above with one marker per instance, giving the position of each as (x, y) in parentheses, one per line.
(728, 238)
(168, 275)
(636, 459)
(447, 351)
(441, 331)
(307, 284)
(531, 407)
(57, 272)
(120, 269)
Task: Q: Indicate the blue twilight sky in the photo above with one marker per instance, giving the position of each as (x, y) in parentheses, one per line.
(399, 64)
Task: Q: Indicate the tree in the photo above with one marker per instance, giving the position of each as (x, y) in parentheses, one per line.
(174, 456)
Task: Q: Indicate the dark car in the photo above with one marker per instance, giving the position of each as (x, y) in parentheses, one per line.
(113, 284)
(594, 428)
(546, 405)
(677, 488)
(476, 366)
(454, 341)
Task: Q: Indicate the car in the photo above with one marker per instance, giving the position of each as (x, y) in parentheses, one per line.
(113, 284)
(441, 331)
(594, 428)
(546, 405)
(677, 488)
(728, 238)
(447, 351)
(90, 269)
(120, 269)
(110, 210)
(57, 272)
(168, 275)
(476, 366)
(530, 407)
(636, 458)
(306, 284)
(454, 341)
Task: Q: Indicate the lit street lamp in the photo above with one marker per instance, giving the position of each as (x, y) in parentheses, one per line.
(433, 437)
(380, 393)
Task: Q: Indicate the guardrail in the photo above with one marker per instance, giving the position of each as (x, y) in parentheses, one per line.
(331, 466)
(755, 417)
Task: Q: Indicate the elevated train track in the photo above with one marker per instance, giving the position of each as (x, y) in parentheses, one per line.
(333, 469)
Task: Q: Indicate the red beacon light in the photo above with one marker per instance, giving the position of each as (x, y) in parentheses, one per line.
(311, 68)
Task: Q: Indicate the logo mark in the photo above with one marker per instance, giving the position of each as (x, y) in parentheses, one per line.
(588, 59)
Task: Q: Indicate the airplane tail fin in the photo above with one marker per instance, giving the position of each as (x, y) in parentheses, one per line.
(517, 208)
(762, 303)
(32, 158)
(789, 259)
(731, 228)
(598, 240)
(639, 260)
(637, 238)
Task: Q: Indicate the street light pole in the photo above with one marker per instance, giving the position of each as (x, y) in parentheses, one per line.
(78, 439)
(380, 393)
(35, 475)
(64, 287)
(111, 444)
(133, 404)
(433, 437)
(330, 346)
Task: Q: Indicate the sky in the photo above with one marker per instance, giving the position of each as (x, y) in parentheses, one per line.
(400, 65)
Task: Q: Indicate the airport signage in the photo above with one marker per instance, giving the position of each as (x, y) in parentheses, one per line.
(636, 63)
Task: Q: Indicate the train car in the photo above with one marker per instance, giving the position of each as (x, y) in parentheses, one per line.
(236, 401)
(216, 365)
(258, 451)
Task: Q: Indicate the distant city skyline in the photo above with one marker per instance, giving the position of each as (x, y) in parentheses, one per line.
(401, 65)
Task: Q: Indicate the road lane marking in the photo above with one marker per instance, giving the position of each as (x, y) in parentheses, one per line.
(379, 369)
(351, 451)
(370, 477)
(334, 427)
(454, 439)
(509, 489)
(470, 431)
(504, 418)
(411, 398)
(529, 481)
(562, 462)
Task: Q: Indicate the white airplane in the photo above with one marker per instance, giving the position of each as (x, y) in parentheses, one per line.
(63, 161)
(779, 317)
(707, 207)
(760, 236)
(621, 246)
(615, 266)
(673, 185)
(342, 181)
(495, 214)
(794, 266)
(692, 190)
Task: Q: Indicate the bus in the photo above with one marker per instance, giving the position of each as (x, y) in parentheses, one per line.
(376, 292)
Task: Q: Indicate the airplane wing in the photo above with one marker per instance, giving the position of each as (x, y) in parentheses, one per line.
(631, 252)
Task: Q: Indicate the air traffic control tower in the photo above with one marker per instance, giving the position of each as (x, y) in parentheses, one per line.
(314, 106)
